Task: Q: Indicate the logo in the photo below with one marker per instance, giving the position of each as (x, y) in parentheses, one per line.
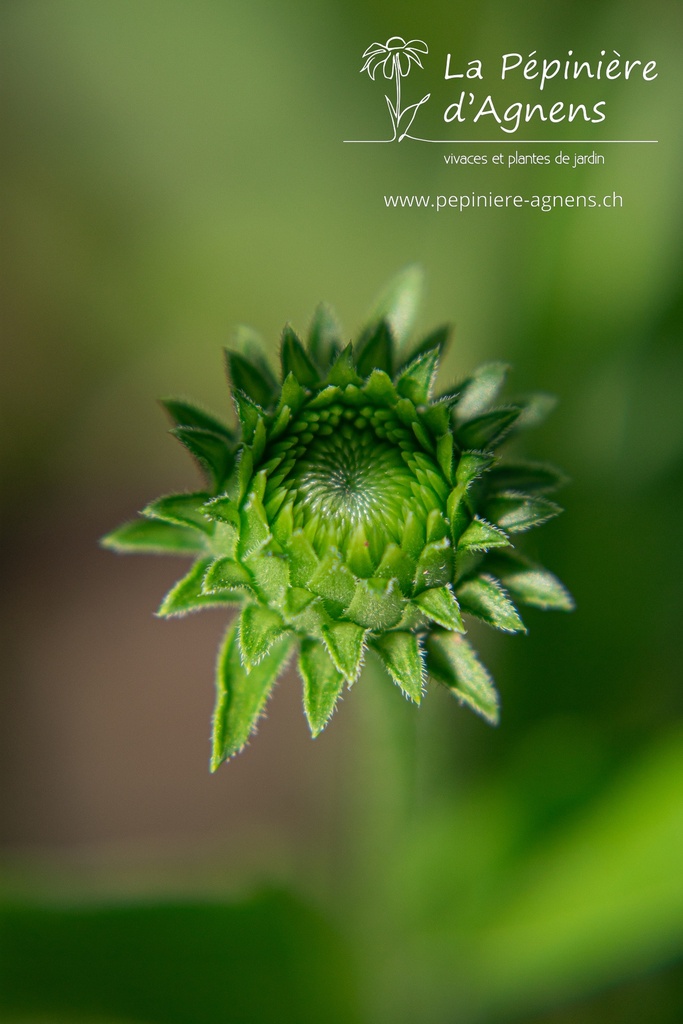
(396, 58)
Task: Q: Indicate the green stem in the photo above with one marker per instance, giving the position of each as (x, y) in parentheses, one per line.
(397, 72)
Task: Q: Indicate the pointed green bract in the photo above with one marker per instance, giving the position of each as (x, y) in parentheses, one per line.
(528, 477)
(350, 507)
(346, 642)
(296, 361)
(240, 697)
(487, 430)
(377, 604)
(441, 606)
(437, 339)
(250, 379)
(259, 629)
(149, 537)
(531, 584)
(184, 413)
(211, 451)
(416, 380)
(484, 597)
(402, 658)
(375, 351)
(482, 536)
(188, 594)
(324, 336)
(451, 660)
(182, 509)
(516, 512)
(225, 574)
(323, 684)
(343, 369)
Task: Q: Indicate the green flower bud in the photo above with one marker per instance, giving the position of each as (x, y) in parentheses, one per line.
(352, 508)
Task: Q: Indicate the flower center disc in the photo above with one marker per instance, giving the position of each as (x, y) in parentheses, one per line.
(352, 475)
(343, 482)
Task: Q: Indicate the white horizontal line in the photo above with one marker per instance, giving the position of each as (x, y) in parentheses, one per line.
(519, 142)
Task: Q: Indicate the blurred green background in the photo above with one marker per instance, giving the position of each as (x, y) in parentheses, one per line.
(170, 169)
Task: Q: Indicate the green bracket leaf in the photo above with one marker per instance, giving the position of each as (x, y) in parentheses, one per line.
(323, 683)
(396, 564)
(531, 584)
(375, 350)
(482, 536)
(226, 574)
(248, 413)
(324, 335)
(401, 656)
(377, 604)
(295, 360)
(188, 596)
(332, 580)
(211, 451)
(184, 413)
(259, 628)
(345, 642)
(182, 509)
(343, 370)
(452, 661)
(152, 537)
(529, 477)
(434, 566)
(255, 381)
(516, 512)
(241, 696)
(435, 339)
(440, 605)
(487, 430)
(417, 379)
(484, 597)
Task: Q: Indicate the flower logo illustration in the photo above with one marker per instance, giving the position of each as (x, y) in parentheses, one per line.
(395, 58)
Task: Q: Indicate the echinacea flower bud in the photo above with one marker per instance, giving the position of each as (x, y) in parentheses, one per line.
(352, 509)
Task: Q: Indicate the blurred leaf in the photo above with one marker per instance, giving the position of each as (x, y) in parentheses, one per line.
(399, 302)
(479, 390)
(600, 898)
(266, 959)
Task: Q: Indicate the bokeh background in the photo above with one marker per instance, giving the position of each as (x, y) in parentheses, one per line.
(170, 168)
